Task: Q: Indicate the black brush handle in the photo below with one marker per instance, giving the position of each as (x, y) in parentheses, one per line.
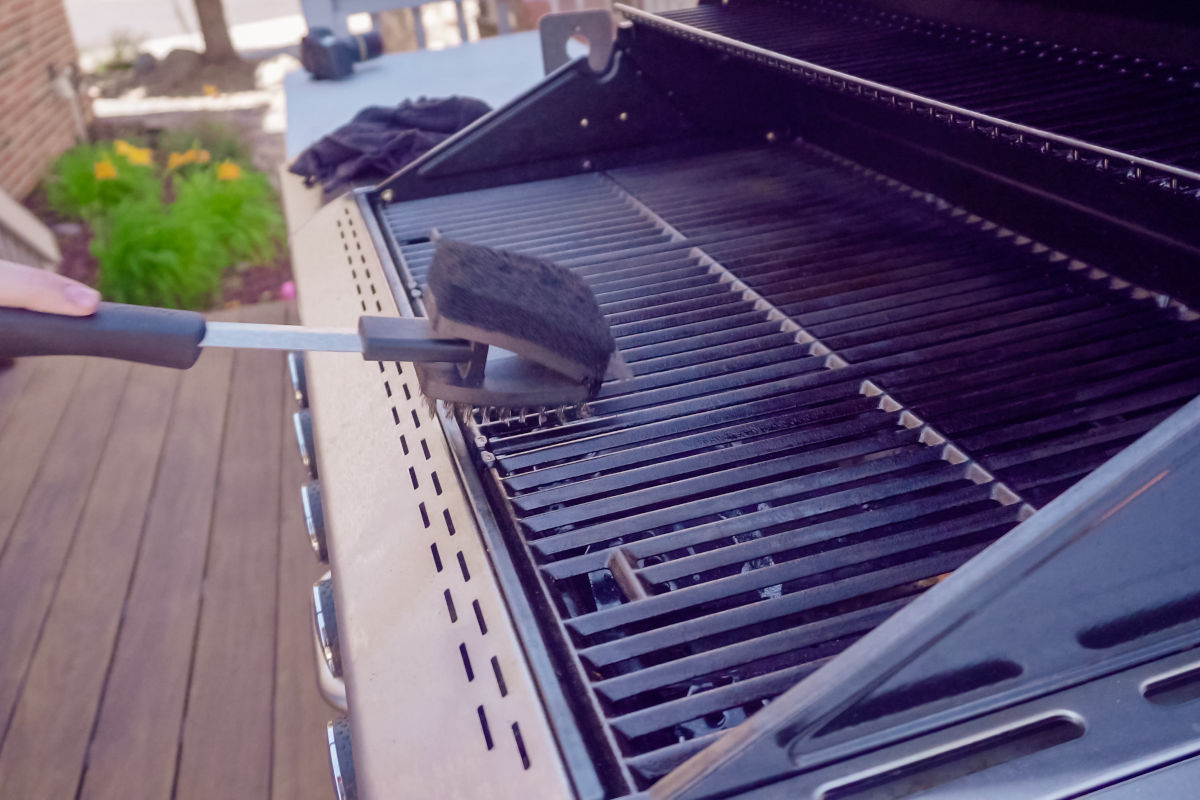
(161, 336)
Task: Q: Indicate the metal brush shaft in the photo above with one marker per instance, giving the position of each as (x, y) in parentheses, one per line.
(377, 338)
(172, 338)
(261, 336)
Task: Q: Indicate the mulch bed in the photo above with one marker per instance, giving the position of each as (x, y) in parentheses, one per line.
(181, 73)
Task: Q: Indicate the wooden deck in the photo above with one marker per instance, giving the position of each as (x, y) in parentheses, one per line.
(154, 579)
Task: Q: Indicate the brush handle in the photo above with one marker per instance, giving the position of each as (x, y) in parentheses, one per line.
(160, 336)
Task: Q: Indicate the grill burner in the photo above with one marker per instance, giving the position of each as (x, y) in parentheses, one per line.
(1136, 105)
(829, 371)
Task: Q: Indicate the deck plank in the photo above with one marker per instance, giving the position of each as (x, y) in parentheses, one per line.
(136, 740)
(226, 747)
(156, 576)
(13, 380)
(54, 716)
(32, 418)
(300, 762)
(41, 537)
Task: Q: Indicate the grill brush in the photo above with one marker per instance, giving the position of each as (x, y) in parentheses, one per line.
(507, 334)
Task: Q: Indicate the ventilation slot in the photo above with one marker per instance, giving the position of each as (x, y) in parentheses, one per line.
(516, 729)
(500, 684)
(1142, 623)
(1174, 690)
(483, 724)
(941, 768)
(934, 688)
(479, 617)
(462, 650)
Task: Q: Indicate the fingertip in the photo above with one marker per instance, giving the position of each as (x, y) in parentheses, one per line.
(83, 300)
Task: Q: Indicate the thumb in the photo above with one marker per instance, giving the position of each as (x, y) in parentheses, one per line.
(39, 290)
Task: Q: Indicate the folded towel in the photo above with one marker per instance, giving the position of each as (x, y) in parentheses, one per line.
(380, 141)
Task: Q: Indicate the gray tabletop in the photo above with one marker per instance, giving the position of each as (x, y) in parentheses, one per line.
(495, 70)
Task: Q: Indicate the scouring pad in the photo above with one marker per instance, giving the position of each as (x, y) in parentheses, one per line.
(520, 303)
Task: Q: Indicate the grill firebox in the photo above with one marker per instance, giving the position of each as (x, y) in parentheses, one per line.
(843, 389)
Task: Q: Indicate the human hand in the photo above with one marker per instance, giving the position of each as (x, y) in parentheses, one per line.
(39, 290)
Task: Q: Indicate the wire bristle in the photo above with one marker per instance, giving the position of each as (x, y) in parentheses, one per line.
(508, 416)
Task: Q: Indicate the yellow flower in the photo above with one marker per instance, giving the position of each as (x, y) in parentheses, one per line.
(105, 170)
(228, 171)
(210, 90)
(192, 156)
(142, 156)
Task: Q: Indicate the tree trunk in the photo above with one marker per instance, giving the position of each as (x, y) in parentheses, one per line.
(396, 28)
(217, 45)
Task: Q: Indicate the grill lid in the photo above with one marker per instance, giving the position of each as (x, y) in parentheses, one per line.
(1141, 114)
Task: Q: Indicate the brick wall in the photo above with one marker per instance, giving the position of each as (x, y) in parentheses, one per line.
(35, 123)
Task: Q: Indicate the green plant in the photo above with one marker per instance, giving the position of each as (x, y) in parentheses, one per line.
(89, 180)
(151, 254)
(240, 207)
(223, 141)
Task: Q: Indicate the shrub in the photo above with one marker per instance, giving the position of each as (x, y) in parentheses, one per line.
(240, 206)
(151, 254)
(89, 180)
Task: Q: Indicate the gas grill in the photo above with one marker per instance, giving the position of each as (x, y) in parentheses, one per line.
(897, 294)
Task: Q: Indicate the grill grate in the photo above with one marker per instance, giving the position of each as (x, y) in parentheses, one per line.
(1022, 358)
(749, 504)
(1134, 105)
